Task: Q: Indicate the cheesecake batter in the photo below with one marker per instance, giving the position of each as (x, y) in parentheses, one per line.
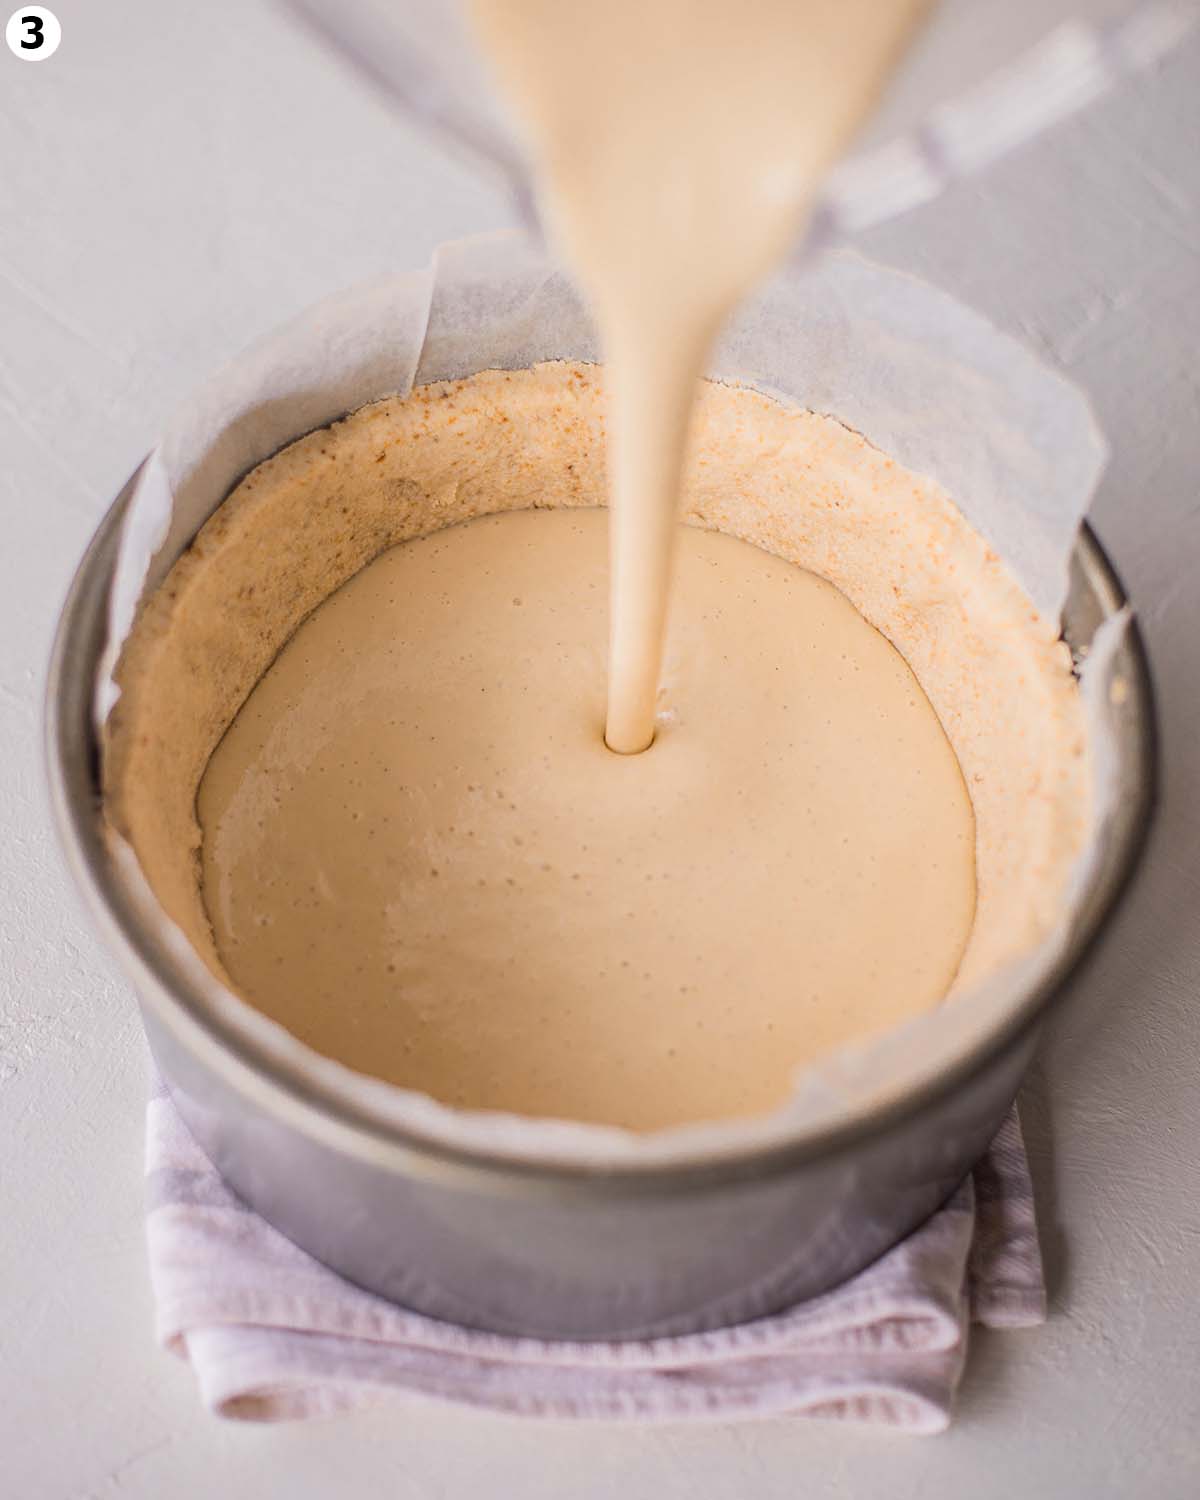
(421, 858)
(678, 146)
(789, 865)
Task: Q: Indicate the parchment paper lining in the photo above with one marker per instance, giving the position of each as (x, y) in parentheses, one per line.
(922, 378)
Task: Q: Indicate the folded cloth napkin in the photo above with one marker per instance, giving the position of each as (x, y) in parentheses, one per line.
(273, 1334)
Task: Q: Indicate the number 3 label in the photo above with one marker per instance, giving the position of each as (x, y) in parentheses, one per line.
(33, 33)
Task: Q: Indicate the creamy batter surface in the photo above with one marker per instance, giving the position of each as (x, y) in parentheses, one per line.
(420, 857)
(791, 863)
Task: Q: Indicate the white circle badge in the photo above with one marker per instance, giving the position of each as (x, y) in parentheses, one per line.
(33, 33)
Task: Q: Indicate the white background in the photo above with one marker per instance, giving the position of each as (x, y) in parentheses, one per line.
(177, 179)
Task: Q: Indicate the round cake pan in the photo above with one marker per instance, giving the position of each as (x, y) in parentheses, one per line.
(546, 1249)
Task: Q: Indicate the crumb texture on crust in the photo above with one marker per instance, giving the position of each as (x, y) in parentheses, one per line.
(792, 482)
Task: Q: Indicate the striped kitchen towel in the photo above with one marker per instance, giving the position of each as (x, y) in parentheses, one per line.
(273, 1334)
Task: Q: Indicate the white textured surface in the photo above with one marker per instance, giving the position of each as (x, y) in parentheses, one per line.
(147, 230)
